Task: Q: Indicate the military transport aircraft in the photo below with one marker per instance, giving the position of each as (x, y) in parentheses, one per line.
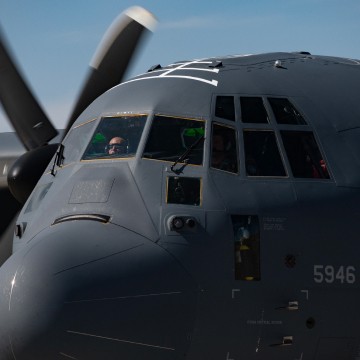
(207, 209)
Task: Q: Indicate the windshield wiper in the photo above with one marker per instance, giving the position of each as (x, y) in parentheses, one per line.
(59, 158)
(186, 153)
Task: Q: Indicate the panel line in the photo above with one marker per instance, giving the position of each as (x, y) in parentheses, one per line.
(122, 297)
(68, 356)
(104, 257)
(130, 342)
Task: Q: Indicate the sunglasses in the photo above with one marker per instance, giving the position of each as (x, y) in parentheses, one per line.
(117, 146)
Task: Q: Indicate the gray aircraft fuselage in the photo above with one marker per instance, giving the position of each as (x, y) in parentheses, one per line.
(133, 288)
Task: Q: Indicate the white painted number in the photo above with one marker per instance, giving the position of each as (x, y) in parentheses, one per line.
(340, 274)
(318, 273)
(330, 271)
(350, 277)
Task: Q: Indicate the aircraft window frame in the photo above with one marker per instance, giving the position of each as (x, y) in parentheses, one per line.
(266, 107)
(272, 126)
(236, 147)
(64, 143)
(313, 134)
(281, 153)
(183, 177)
(174, 117)
(290, 100)
(217, 107)
(97, 127)
(86, 122)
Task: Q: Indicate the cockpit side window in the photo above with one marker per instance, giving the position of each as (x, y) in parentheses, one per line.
(116, 137)
(285, 112)
(76, 140)
(253, 110)
(171, 137)
(224, 155)
(37, 197)
(262, 154)
(225, 107)
(304, 155)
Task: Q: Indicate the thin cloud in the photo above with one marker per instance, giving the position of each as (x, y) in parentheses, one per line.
(217, 21)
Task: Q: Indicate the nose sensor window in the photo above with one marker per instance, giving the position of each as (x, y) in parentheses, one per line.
(116, 137)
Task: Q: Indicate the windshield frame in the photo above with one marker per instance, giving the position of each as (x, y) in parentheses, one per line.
(174, 117)
(117, 158)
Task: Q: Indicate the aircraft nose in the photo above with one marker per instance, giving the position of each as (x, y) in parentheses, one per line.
(84, 290)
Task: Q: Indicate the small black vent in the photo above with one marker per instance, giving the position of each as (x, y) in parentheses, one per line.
(215, 64)
(93, 217)
(154, 67)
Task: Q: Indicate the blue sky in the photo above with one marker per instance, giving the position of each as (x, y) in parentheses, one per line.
(54, 41)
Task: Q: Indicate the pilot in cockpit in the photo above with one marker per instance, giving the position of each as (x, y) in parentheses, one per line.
(221, 154)
(117, 145)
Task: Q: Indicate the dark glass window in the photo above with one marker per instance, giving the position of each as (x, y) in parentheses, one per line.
(183, 191)
(225, 107)
(304, 155)
(253, 110)
(171, 137)
(76, 141)
(224, 148)
(285, 112)
(262, 154)
(246, 247)
(37, 197)
(116, 137)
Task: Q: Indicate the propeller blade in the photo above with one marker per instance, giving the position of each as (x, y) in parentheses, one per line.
(113, 55)
(30, 122)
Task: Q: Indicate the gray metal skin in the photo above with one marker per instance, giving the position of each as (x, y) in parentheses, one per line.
(11, 148)
(133, 289)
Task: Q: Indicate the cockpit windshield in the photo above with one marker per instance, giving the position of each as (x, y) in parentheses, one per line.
(171, 137)
(116, 137)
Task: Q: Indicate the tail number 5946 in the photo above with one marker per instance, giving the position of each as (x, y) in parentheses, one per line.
(327, 273)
